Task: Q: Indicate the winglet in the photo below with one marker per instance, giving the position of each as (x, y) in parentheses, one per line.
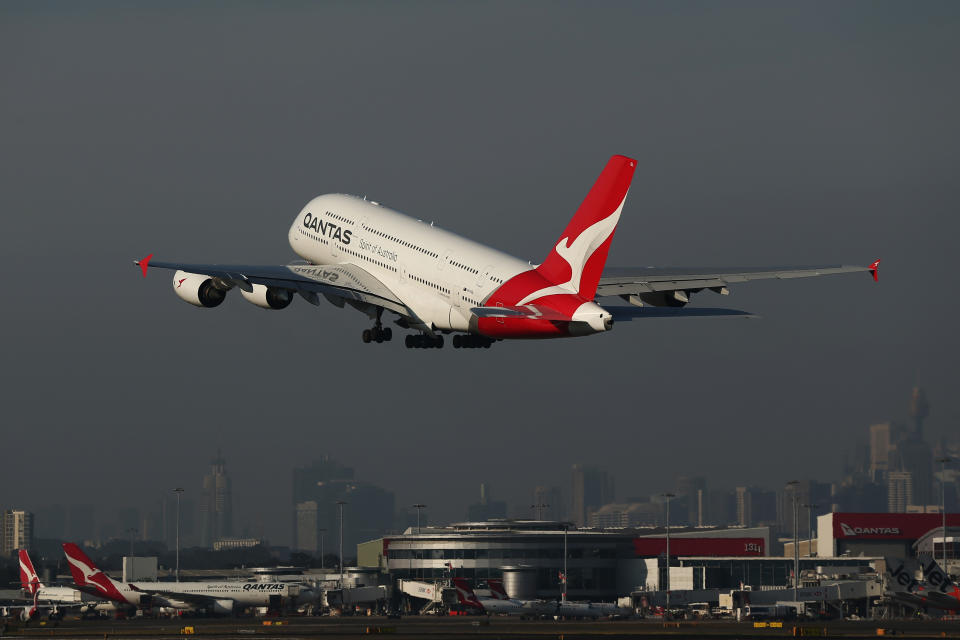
(144, 263)
(874, 266)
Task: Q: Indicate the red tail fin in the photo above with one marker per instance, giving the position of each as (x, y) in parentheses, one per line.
(465, 594)
(497, 590)
(28, 575)
(577, 260)
(87, 576)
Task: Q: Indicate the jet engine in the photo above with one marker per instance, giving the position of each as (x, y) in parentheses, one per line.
(199, 290)
(222, 606)
(268, 297)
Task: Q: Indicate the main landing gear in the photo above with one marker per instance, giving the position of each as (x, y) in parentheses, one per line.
(471, 341)
(378, 333)
(424, 341)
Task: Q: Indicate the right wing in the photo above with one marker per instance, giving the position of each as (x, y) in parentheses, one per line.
(345, 281)
(648, 281)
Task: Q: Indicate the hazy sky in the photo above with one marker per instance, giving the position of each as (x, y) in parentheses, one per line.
(765, 133)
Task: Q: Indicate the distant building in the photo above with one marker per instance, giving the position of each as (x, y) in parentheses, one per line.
(306, 532)
(591, 488)
(17, 531)
(899, 491)
(744, 507)
(486, 509)
(368, 513)
(692, 493)
(225, 544)
(881, 447)
(629, 514)
(216, 504)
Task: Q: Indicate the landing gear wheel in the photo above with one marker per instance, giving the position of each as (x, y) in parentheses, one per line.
(438, 342)
(409, 341)
(456, 341)
(387, 334)
(366, 335)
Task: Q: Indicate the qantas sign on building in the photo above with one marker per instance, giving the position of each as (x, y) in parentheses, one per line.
(888, 526)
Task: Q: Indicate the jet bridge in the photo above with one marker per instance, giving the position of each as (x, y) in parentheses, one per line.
(436, 594)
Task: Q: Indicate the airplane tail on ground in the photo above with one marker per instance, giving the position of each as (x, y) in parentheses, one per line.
(465, 594)
(88, 577)
(497, 590)
(28, 575)
(577, 260)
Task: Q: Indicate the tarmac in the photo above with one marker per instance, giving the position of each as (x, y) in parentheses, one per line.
(443, 628)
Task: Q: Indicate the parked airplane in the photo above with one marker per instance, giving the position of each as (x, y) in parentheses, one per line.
(556, 607)
(375, 259)
(919, 585)
(31, 584)
(217, 597)
(469, 599)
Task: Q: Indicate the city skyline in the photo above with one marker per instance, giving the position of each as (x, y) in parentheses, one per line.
(697, 499)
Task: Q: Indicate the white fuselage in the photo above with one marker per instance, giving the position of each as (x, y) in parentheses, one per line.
(65, 595)
(243, 594)
(438, 274)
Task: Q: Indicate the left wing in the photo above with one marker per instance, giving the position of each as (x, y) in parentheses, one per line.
(345, 281)
(676, 284)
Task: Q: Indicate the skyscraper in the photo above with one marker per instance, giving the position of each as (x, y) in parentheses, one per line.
(17, 531)
(367, 514)
(591, 488)
(216, 504)
(899, 490)
(692, 490)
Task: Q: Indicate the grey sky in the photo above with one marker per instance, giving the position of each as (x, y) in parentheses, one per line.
(766, 133)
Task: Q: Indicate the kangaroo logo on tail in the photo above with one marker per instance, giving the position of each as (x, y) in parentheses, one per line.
(465, 594)
(87, 576)
(28, 575)
(497, 590)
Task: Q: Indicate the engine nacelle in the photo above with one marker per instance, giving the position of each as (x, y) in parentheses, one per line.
(268, 297)
(222, 606)
(199, 290)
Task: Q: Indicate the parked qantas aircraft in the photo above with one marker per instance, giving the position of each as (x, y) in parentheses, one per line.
(218, 597)
(360, 253)
(55, 597)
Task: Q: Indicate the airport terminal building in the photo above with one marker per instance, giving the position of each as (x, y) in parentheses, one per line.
(529, 555)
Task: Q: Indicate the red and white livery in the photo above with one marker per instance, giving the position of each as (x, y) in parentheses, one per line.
(357, 252)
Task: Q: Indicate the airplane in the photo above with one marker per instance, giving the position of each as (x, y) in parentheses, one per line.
(216, 597)
(916, 585)
(469, 599)
(58, 597)
(360, 253)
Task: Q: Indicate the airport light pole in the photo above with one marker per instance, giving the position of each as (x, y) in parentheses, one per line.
(810, 507)
(418, 507)
(792, 488)
(178, 491)
(943, 505)
(563, 596)
(340, 504)
(539, 507)
(321, 532)
(666, 497)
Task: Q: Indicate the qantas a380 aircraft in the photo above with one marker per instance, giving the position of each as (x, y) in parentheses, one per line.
(360, 253)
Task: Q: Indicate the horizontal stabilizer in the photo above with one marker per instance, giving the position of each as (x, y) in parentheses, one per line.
(625, 314)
